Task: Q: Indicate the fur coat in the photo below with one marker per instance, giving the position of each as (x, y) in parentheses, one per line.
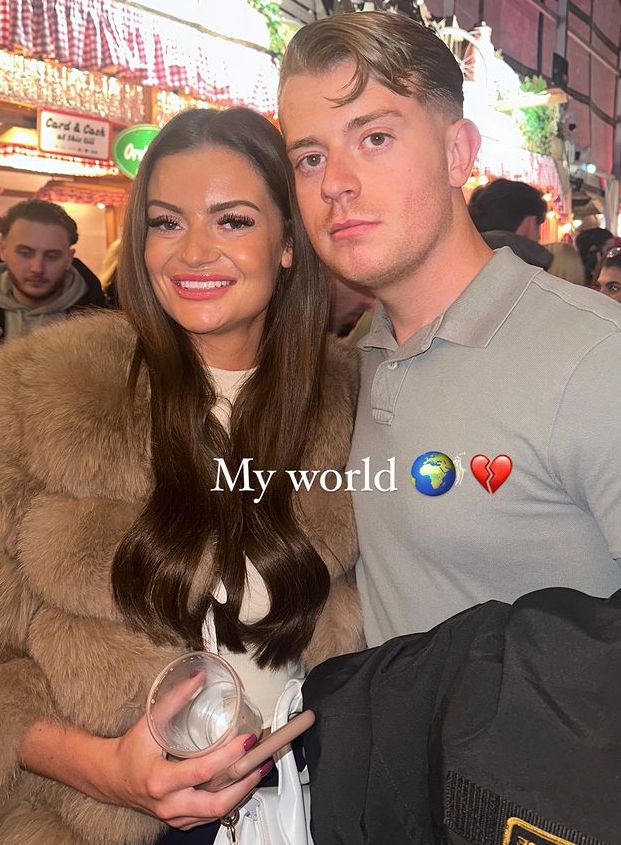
(74, 470)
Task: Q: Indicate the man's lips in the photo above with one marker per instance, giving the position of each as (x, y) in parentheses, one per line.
(350, 228)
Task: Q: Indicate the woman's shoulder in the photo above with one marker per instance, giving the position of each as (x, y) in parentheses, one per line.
(329, 446)
(65, 371)
(341, 368)
(65, 409)
(72, 354)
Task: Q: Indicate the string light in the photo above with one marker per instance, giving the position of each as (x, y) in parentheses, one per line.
(169, 103)
(25, 158)
(34, 82)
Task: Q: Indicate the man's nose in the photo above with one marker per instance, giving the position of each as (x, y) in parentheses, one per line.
(340, 181)
(36, 265)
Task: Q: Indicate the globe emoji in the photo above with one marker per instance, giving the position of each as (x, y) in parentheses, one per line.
(433, 473)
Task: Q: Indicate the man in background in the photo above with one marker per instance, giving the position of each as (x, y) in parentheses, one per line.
(511, 214)
(38, 280)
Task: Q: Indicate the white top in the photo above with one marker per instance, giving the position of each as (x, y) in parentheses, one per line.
(262, 685)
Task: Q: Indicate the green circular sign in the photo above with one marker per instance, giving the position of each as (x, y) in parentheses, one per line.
(130, 146)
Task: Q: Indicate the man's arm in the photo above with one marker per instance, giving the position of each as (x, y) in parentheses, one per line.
(585, 442)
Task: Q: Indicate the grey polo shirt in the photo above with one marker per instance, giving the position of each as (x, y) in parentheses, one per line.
(522, 364)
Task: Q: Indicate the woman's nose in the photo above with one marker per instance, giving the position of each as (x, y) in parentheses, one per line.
(199, 247)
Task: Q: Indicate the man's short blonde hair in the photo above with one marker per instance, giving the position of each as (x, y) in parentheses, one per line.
(397, 52)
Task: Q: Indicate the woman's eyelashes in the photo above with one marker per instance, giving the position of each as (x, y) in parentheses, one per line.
(235, 221)
(230, 221)
(163, 221)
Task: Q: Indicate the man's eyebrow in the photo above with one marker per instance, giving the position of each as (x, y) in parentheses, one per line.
(355, 123)
(214, 208)
(302, 143)
(364, 119)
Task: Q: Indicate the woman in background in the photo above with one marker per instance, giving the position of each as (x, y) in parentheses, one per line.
(121, 543)
(566, 263)
(607, 277)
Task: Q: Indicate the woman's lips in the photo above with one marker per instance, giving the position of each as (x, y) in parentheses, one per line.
(201, 286)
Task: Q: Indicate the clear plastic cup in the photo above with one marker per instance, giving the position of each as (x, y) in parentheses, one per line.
(197, 703)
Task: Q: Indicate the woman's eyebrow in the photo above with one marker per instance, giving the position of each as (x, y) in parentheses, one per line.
(214, 208)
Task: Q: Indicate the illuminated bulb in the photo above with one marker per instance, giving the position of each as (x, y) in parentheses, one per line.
(551, 215)
(577, 224)
(547, 197)
(101, 205)
(483, 179)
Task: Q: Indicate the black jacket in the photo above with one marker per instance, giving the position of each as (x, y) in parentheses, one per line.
(501, 713)
(529, 251)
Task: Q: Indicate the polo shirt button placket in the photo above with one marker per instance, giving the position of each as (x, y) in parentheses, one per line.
(392, 365)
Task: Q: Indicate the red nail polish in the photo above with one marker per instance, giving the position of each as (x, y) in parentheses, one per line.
(250, 742)
(266, 768)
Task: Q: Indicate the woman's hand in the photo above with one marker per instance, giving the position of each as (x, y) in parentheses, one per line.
(132, 771)
(145, 780)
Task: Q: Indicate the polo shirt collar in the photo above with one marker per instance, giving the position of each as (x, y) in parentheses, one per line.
(475, 316)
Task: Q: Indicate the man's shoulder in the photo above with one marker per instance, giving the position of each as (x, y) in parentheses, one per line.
(578, 306)
(546, 306)
(93, 296)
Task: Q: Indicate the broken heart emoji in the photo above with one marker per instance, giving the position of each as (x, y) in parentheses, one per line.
(491, 474)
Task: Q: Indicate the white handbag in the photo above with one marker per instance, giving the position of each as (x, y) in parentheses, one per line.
(276, 815)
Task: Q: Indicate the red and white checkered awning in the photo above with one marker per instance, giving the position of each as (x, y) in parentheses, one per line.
(142, 46)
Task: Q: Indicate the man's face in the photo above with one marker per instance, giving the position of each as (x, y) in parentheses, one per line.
(371, 176)
(37, 256)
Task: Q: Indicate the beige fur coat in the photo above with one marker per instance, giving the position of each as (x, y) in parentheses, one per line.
(74, 470)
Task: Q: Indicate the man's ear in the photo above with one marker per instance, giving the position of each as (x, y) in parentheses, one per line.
(2, 248)
(462, 145)
(71, 256)
(530, 228)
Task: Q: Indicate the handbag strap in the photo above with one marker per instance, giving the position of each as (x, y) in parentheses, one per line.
(291, 809)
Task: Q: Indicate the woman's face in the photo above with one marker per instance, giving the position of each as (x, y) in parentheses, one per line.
(609, 282)
(214, 246)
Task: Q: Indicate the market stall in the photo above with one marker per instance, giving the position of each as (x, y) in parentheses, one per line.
(75, 73)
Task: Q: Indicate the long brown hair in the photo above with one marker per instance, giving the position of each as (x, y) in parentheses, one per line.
(273, 418)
